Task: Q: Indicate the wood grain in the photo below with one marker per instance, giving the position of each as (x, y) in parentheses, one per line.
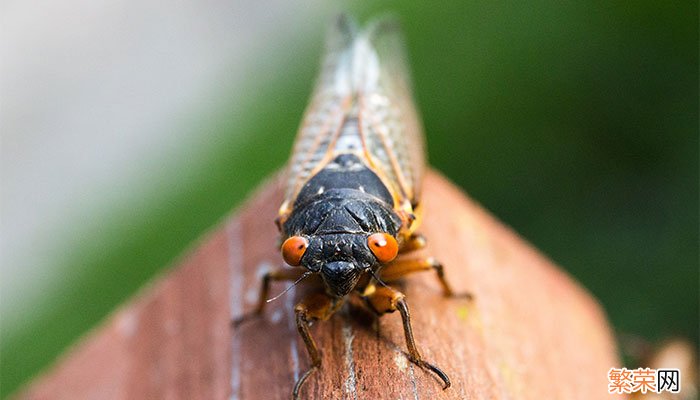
(531, 332)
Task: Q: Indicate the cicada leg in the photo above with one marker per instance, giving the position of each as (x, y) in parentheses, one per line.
(317, 306)
(414, 241)
(277, 274)
(282, 215)
(387, 300)
(401, 267)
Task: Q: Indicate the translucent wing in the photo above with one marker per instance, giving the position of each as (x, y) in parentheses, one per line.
(362, 104)
(390, 123)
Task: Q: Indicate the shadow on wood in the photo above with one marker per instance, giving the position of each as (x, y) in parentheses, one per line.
(529, 333)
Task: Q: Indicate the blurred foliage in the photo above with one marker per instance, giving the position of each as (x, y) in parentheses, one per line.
(574, 122)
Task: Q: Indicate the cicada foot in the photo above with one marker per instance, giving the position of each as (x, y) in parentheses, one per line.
(300, 382)
(447, 290)
(437, 371)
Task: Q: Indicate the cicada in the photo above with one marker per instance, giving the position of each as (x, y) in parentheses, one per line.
(353, 186)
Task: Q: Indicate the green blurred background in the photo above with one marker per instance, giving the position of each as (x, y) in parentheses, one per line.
(574, 122)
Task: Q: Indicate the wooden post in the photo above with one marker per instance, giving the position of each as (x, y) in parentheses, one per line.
(530, 332)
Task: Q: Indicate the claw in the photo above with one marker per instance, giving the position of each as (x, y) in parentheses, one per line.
(300, 382)
(443, 376)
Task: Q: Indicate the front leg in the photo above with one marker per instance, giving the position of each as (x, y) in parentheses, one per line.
(414, 241)
(402, 267)
(386, 300)
(317, 306)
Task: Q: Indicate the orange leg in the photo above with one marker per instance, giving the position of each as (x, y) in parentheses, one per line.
(386, 300)
(415, 241)
(317, 306)
(402, 267)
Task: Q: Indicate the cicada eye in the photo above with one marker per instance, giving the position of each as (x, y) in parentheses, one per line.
(383, 246)
(293, 250)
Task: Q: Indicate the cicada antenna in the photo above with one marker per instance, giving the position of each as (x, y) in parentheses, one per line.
(307, 273)
(376, 278)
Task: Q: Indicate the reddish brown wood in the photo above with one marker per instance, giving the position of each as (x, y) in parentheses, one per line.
(530, 332)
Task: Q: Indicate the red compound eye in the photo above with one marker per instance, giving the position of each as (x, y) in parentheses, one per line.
(383, 246)
(293, 250)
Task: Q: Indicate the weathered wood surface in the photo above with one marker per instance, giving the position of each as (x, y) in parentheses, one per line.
(530, 332)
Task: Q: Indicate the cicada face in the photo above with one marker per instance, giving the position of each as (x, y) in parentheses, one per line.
(340, 260)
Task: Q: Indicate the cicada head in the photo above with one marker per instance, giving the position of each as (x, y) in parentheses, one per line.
(340, 259)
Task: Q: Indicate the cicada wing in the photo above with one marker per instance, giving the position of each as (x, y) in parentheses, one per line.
(362, 104)
(390, 124)
(326, 111)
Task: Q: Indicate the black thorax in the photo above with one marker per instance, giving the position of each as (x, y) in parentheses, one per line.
(344, 197)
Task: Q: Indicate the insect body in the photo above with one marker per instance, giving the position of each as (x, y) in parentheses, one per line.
(353, 188)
